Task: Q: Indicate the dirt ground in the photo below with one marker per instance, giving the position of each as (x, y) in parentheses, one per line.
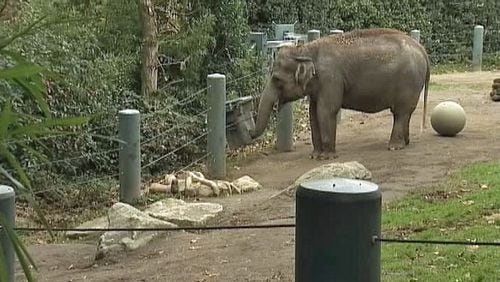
(268, 255)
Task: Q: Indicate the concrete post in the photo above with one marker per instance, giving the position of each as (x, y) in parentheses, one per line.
(260, 39)
(336, 221)
(415, 34)
(284, 128)
(313, 34)
(336, 31)
(216, 119)
(8, 212)
(130, 155)
(477, 49)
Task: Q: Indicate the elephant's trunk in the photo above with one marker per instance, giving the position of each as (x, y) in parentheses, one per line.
(265, 107)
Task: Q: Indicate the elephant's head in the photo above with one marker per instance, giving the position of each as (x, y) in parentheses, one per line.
(287, 82)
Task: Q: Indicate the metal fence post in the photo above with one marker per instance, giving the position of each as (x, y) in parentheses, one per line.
(313, 34)
(415, 34)
(216, 119)
(336, 222)
(130, 155)
(477, 48)
(8, 212)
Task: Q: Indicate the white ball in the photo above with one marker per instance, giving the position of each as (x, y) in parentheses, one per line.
(448, 118)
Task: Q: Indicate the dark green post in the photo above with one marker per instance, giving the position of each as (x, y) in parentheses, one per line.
(336, 220)
(130, 155)
(8, 212)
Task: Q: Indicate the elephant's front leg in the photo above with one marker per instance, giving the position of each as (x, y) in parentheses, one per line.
(327, 120)
(315, 133)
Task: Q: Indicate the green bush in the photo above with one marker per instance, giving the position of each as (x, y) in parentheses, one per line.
(446, 27)
(95, 49)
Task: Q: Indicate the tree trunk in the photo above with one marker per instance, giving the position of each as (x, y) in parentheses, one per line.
(149, 71)
(8, 9)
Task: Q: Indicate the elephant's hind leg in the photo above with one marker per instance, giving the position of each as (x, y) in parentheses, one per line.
(400, 131)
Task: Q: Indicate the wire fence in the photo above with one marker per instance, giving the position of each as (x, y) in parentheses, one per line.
(155, 141)
(253, 226)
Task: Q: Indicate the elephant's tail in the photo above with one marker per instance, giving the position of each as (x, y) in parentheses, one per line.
(426, 91)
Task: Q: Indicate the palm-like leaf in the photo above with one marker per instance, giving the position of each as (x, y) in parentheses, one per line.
(19, 127)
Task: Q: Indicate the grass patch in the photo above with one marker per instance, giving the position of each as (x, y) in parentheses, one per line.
(462, 209)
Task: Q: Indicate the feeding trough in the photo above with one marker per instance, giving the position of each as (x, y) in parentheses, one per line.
(239, 121)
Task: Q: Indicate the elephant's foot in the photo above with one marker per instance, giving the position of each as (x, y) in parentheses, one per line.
(397, 145)
(315, 154)
(327, 156)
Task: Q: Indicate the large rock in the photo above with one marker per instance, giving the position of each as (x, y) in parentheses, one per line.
(182, 213)
(122, 215)
(352, 170)
(247, 184)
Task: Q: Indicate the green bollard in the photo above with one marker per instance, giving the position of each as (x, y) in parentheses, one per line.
(130, 155)
(336, 221)
(8, 212)
(216, 119)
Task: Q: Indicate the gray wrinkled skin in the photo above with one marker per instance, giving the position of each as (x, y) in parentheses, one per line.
(367, 70)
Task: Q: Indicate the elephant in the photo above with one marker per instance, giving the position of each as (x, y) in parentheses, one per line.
(366, 70)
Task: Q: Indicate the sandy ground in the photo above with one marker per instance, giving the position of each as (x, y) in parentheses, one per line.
(268, 255)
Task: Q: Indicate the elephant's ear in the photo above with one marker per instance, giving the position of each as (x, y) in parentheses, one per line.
(305, 72)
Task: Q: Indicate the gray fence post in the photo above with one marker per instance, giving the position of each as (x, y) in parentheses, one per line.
(415, 34)
(216, 119)
(477, 49)
(284, 128)
(8, 212)
(313, 34)
(130, 155)
(336, 31)
(336, 222)
(260, 40)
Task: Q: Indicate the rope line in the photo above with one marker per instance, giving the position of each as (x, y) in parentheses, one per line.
(250, 226)
(201, 228)
(175, 150)
(437, 242)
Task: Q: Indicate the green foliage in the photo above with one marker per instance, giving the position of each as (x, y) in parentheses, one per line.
(446, 27)
(94, 47)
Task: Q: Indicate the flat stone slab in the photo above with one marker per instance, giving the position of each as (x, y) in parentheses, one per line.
(122, 215)
(100, 222)
(182, 213)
